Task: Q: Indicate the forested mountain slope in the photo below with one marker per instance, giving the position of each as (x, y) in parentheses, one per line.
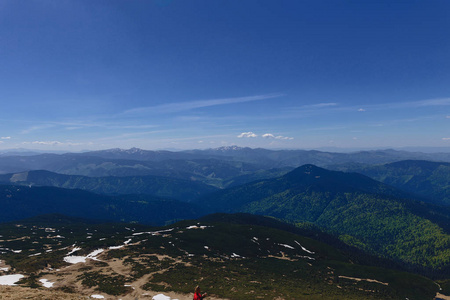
(180, 189)
(429, 179)
(361, 211)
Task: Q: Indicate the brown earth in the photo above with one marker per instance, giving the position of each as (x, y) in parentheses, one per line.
(67, 278)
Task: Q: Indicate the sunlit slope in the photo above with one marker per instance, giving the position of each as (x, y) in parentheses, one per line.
(361, 211)
(431, 180)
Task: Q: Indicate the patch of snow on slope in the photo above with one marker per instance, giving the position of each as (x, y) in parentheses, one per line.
(234, 255)
(77, 259)
(46, 283)
(116, 247)
(153, 232)
(10, 279)
(303, 248)
(97, 296)
(162, 297)
(197, 227)
(287, 246)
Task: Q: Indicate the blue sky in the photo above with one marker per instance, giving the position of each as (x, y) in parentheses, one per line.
(161, 74)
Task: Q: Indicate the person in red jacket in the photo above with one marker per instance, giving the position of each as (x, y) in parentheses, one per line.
(198, 295)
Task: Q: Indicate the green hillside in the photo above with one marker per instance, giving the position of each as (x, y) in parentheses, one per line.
(360, 211)
(431, 180)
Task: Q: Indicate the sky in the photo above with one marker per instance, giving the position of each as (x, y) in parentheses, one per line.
(176, 74)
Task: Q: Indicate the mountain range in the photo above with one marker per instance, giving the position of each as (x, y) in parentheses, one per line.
(429, 179)
(385, 205)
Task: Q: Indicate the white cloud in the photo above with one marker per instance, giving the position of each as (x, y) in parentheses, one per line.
(361, 109)
(188, 105)
(46, 143)
(448, 117)
(446, 139)
(5, 137)
(278, 137)
(247, 135)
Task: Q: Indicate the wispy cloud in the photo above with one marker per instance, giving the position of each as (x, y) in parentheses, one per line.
(314, 106)
(36, 128)
(52, 143)
(278, 137)
(446, 139)
(361, 109)
(432, 102)
(319, 105)
(409, 104)
(247, 135)
(5, 137)
(189, 105)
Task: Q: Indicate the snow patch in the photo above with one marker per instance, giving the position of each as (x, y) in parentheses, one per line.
(97, 296)
(162, 297)
(234, 255)
(303, 248)
(116, 247)
(287, 246)
(46, 283)
(77, 259)
(10, 279)
(197, 227)
(153, 232)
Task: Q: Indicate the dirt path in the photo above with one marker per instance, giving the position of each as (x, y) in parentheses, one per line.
(441, 296)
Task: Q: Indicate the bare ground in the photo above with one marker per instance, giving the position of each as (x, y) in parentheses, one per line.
(67, 277)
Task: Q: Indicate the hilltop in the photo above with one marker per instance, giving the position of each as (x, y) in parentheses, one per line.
(233, 257)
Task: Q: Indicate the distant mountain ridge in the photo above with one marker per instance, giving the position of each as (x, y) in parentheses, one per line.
(183, 190)
(426, 178)
(263, 158)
